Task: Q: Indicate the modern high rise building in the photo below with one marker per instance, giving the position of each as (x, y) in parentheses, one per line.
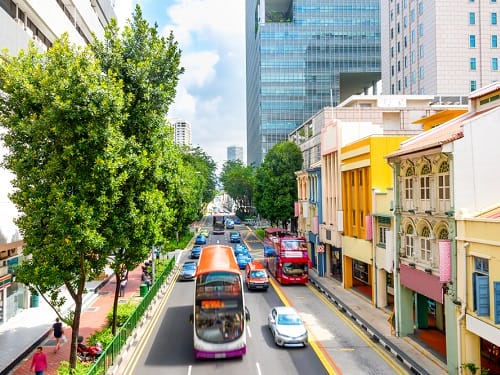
(299, 53)
(426, 49)
(235, 153)
(182, 133)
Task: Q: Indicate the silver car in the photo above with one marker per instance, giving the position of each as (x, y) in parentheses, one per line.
(188, 271)
(287, 327)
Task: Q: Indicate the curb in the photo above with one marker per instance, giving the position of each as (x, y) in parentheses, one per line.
(372, 332)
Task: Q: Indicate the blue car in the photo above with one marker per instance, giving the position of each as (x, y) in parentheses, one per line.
(237, 220)
(195, 252)
(200, 240)
(234, 237)
(240, 249)
(243, 259)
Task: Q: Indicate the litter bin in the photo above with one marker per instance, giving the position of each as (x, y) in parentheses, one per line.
(143, 290)
(35, 300)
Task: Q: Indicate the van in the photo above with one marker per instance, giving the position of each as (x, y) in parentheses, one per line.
(256, 276)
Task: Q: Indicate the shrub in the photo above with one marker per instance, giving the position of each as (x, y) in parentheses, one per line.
(103, 336)
(82, 368)
(122, 314)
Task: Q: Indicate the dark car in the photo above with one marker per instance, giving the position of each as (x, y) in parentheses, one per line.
(235, 237)
(200, 240)
(195, 252)
(188, 271)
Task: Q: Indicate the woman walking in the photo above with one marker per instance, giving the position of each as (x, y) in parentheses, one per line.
(39, 361)
(58, 333)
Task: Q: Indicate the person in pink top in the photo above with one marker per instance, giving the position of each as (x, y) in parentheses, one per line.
(39, 361)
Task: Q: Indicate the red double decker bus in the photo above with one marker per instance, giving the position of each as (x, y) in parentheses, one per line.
(286, 256)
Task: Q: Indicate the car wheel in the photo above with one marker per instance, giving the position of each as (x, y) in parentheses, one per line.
(277, 341)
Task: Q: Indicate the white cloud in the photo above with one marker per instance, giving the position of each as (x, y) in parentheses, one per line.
(199, 67)
(211, 92)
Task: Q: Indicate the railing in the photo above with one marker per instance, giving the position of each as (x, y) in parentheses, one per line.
(112, 351)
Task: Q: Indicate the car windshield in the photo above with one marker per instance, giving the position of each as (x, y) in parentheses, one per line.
(189, 266)
(289, 320)
(258, 274)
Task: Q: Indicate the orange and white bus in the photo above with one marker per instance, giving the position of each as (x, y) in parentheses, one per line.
(220, 315)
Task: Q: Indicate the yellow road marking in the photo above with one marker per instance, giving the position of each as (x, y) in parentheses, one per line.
(132, 363)
(328, 363)
(376, 348)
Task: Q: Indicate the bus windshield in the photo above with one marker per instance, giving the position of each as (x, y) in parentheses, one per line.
(219, 321)
(295, 269)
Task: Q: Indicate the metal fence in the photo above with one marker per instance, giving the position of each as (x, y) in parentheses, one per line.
(112, 352)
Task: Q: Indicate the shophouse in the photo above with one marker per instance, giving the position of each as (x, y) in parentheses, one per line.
(324, 134)
(441, 175)
(364, 174)
(476, 180)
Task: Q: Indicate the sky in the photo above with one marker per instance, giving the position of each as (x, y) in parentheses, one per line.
(211, 92)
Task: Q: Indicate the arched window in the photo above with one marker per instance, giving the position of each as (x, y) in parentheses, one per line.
(443, 234)
(443, 178)
(425, 245)
(408, 187)
(409, 247)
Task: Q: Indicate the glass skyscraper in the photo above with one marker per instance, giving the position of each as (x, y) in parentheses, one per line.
(298, 55)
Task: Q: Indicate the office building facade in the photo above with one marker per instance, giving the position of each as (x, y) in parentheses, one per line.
(439, 47)
(235, 153)
(299, 54)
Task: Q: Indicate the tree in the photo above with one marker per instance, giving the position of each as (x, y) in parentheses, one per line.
(149, 67)
(238, 181)
(276, 186)
(62, 119)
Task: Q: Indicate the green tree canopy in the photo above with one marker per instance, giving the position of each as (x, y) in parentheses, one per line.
(238, 181)
(276, 185)
(62, 118)
(149, 67)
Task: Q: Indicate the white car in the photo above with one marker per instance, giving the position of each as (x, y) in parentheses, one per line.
(287, 327)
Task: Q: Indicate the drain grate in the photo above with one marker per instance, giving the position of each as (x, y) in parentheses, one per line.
(50, 342)
(91, 309)
(104, 293)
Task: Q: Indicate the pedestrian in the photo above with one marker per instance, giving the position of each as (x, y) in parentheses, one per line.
(123, 286)
(58, 332)
(145, 278)
(39, 361)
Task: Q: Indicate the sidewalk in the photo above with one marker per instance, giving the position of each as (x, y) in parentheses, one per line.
(33, 327)
(375, 322)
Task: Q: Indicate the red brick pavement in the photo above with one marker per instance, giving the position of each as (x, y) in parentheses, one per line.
(93, 318)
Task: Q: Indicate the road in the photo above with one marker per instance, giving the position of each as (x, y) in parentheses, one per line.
(337, 346)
